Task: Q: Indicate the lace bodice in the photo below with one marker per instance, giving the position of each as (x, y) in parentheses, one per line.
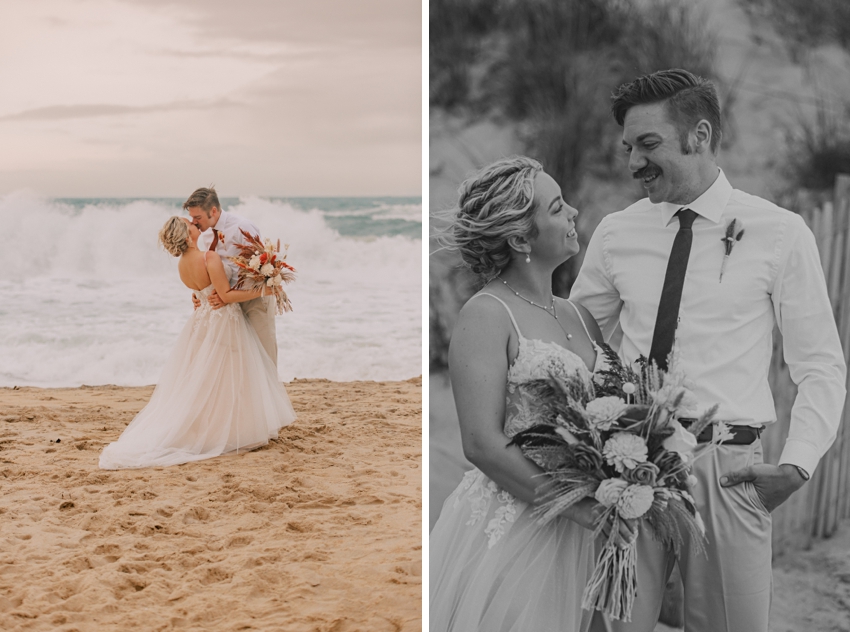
(204, 294)
(205, 311)
(535, 360)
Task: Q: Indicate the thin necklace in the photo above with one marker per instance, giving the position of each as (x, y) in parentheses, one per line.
(553, 313)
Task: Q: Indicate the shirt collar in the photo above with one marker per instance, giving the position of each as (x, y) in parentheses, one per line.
(709, 205)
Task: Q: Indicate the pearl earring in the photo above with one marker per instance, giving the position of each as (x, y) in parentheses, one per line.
(528, 257)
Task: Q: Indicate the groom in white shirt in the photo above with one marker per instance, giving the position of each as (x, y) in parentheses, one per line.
(221, 231)
(652, 272)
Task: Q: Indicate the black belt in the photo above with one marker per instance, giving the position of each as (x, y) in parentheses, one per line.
(741, 435)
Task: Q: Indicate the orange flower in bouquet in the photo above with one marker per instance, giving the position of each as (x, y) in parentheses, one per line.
(262, 266)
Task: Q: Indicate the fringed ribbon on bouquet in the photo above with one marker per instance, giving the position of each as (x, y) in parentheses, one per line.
(613, 586)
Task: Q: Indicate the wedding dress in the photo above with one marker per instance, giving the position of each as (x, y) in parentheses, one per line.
(219, 393)
(492, 567)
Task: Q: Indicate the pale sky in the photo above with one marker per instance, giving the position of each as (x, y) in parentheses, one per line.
(159, 97)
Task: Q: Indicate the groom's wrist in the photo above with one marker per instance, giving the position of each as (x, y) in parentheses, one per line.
(795, 473)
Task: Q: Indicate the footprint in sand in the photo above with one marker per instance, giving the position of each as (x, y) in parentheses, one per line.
(214, 575)
(240, 540)
(195, 515)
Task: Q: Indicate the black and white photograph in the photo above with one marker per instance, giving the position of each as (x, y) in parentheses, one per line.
(639, 315)
(211, 315)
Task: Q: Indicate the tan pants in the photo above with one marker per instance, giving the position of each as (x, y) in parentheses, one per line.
(727, 588)
(260, 314)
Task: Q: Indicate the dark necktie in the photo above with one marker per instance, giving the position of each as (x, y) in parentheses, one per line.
(671, 295)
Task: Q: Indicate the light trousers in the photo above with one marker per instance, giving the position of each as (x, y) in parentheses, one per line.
(260, 313)
(728, 587)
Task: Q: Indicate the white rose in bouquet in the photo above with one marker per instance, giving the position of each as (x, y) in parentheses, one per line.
(276, 280)
(267, 269)
(254, 262)
(609, 491)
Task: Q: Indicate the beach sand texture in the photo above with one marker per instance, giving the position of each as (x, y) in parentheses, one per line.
(318, 531)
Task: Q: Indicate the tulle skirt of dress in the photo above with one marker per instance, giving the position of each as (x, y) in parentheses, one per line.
(219, 392)
(494, 569)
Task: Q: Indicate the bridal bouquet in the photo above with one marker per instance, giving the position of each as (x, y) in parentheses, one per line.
(621, 443)
(262, 266)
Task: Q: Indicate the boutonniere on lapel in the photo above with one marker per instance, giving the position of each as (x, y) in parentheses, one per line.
(734, 232)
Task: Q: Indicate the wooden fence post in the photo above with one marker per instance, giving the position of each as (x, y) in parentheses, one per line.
(817, 509)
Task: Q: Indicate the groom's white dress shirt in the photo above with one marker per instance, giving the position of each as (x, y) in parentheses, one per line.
(725, 332)
(229, 224)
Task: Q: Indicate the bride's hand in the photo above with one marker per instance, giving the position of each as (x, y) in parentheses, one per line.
(196, 301)
(587, 511)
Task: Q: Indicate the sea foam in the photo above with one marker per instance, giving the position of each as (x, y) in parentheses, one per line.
(89, 297)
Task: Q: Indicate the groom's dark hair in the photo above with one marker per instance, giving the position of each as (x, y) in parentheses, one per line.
(688, 99)
(205, 198)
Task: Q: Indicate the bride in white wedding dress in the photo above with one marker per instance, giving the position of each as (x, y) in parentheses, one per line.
(219, 391)
(493, 567)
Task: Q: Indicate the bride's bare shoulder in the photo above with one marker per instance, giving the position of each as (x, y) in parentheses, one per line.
(486, 313)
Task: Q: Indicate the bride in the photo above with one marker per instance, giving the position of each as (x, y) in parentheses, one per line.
(492, 567)
(219, 391)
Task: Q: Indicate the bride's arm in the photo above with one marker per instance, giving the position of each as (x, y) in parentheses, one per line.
(478, 365)
(218, 276)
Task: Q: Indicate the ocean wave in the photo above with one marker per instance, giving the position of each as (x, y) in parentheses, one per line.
(91, 298)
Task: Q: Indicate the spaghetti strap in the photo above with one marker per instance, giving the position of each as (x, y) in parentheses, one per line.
(583, 324)
(510, 313)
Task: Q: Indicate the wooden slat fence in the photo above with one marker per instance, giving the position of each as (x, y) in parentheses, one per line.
(816, 510)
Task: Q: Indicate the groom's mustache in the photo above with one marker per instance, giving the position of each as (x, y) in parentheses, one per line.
(648, 170)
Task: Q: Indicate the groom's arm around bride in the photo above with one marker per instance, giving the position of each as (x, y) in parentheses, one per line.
(223, 230)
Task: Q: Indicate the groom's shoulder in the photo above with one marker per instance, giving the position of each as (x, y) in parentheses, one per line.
(762, 213)
(241, 222)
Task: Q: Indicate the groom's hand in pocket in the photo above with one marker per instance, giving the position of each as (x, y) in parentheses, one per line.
(773, 483)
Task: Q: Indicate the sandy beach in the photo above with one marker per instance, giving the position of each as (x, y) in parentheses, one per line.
(318, 531)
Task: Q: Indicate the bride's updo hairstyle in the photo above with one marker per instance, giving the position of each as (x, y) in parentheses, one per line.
(494, 205)
(174, 236)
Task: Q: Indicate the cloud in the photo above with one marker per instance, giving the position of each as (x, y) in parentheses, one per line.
(92, 110)
(282, 97)
(376, 23)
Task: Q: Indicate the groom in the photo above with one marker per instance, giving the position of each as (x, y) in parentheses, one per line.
(656, 271)
(204, 209)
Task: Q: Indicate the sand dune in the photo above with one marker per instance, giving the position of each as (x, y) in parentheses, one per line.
(318, 531)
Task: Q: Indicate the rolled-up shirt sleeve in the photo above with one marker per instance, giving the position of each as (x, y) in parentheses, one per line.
(812, 349)
(594, 288)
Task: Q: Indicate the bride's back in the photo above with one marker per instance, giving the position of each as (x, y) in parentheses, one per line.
(193, 270)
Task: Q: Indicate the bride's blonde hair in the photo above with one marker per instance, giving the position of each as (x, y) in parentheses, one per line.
(174, 236)
(493, 205)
